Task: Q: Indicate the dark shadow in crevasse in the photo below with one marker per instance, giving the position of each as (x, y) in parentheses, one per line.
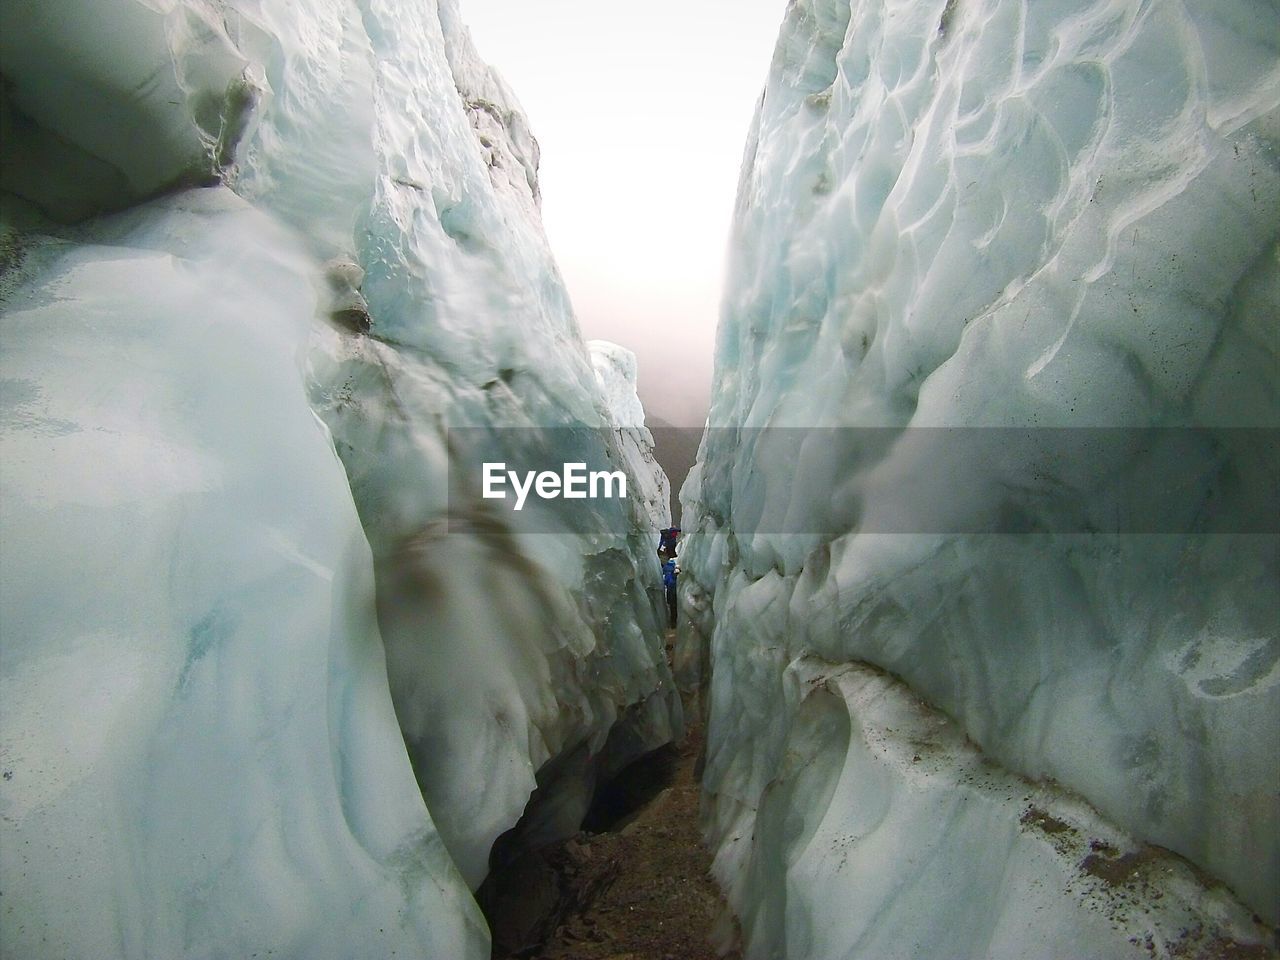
(533, 886)
(620, 799)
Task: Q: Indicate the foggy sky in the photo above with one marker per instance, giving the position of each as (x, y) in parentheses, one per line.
(641, 111)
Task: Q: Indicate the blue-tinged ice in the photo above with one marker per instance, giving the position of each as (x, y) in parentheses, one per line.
(219, 637)
(981, 214)
(616, 371)
(200, 753)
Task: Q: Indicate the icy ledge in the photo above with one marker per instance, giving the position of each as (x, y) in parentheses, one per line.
(885, 833)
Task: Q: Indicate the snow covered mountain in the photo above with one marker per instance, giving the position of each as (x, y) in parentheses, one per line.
(968, 687)
(322, 236)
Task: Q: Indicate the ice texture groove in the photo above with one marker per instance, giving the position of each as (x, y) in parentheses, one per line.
(989, 213)
(326, 240)
(506, 648)
(201, 755)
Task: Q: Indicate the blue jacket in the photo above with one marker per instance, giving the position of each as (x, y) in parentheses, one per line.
(669, 573)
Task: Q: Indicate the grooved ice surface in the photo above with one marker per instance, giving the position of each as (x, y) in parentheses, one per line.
(506, 648)
(615, 369)
(196, 714)
(200, 753)
(997, 213)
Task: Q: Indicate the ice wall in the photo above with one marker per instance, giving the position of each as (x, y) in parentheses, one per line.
(995, 214)
(199, 746)
(615, 369)
(508, 646)
(200, 753)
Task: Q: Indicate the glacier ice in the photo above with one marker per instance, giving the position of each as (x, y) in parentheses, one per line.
(615, 369)
(881, 802)
(201, 756)
(227, 651)
(507, 646)
(978, 214)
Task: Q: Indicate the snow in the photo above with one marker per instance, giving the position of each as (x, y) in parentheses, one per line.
(236, 664)
(615, 369)
(978, 215)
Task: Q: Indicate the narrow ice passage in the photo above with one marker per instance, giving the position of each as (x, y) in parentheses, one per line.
(978, 643)
(634, 882)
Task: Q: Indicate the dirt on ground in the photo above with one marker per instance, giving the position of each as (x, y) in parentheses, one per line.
(639, 889)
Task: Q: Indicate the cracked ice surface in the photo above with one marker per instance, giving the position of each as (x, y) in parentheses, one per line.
(990, 213)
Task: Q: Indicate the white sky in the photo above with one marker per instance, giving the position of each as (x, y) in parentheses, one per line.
(641, 111)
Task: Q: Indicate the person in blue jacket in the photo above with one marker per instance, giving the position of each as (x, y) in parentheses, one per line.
(669, 581)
